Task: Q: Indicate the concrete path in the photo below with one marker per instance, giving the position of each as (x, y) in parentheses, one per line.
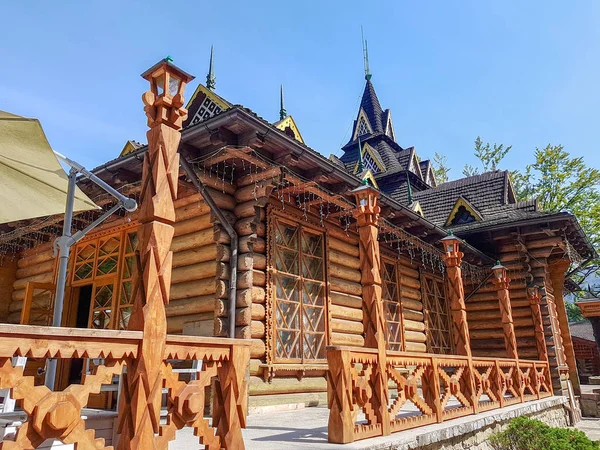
(591, 427)
(307, 429)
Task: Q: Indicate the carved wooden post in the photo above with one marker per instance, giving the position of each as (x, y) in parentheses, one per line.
(458, 309)
(501, 281)
(340, 429)
(367, 215)
(533, 295)
(140, 408)
(557, 278)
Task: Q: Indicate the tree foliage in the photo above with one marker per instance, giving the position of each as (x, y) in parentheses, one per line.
(524, 433)
(440, 168)
(573, 312)
(489, 155)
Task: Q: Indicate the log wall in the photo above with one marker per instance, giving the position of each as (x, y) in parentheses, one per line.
(8, 275)
(345, 292)
(411, 300)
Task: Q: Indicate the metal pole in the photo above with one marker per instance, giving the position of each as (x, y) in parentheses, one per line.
(64, 249)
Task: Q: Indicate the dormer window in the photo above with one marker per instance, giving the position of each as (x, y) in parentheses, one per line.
(363, 128)
(369, 163)
(462, 216)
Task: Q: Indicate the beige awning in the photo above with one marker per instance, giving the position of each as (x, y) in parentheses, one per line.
(32, 181)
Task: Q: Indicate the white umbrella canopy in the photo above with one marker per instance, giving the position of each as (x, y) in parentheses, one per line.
(32, 181)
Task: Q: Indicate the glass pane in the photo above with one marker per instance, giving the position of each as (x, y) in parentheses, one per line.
(126, 293)
(100, 320)
(124, 315)
(132, 242)
(286, 288)
(312, 293)
(313, 347)
(128, 268)
(286, 315)
(311, 244)
(285, 235)
(312, 268)
(286, 260)
(84, 271)
(88, 251)
(106, 266)
(287, 344)
(103, 297)
(111, 245)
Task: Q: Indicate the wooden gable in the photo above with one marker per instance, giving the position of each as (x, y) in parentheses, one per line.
(289, 127)
(203, 105)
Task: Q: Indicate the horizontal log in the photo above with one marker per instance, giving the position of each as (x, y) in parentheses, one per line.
(217, 183)
(254, 244)
(249, 261)
(190, 210)
(36, 269)
(343, 259)
(223, 201)
(407, 304)
(175, 324)
(343, 272)
(192, 225)
(187, 197)
(286, 385)
(257, 348)
(254, 294)
(249, 209)
(416, 347)
(413, 315)
(249, 226)
(407, 282)
(200, 271)
(490, 314)
(408, 272)
(346, 287)
(497, 334)
(199, 328)
(403, 261)
(198, 288)
(251, 278)
(414, 336)
(413, 325)
(341, 299)
(39, 278)
(346, 326)
(35, 258)
(254, 191)
(497, 324)
(347, 339)
(493, 296)
(493, 305)
(344, 247)
(410, 294)
(193, 240)
(257, 329)
(192, 305)
(343, 312)
(210, 252)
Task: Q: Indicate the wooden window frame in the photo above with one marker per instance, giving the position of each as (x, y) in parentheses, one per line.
(115, 277)
(394, 262)
(291, 219)
(427, 312)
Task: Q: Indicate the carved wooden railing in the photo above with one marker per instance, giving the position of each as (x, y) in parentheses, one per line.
(422, 389)
(57, 414)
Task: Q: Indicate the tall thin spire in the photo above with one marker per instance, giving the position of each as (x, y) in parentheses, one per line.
(282, 111)
(410, 193)
(211, 80)
(368, 74)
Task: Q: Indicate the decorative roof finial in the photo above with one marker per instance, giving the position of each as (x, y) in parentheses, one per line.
(282, 111)
(210, 77)
(368, 74)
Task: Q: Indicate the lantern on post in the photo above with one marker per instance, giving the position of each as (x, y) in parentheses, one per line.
(453, 255)
(164, 101)
(501, 279)
(368, 210)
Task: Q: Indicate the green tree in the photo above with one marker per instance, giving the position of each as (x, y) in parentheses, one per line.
(440, 168)
(573, 312)
(561, 182)
(488, 154)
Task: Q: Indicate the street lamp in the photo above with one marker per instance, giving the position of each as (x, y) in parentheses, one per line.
(499, 272)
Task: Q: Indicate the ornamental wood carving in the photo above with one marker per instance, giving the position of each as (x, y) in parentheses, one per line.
(508, 326)
(145, 350)
(535, 298)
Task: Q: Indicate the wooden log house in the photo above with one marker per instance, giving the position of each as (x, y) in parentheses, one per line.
(300, 273)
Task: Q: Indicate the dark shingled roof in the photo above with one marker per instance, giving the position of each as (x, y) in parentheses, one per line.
(487, 192)
(370, 104)
(582, 330)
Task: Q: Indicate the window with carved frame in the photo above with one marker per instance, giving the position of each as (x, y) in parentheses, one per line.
(391, 296)
(107, 263)
(298, 292)
(437, 314)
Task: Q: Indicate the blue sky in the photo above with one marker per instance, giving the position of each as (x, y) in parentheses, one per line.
(514, 72)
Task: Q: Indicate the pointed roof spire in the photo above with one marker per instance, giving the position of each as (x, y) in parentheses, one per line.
(368, 74)
(210, 77)
(282, 111)
(410, 193)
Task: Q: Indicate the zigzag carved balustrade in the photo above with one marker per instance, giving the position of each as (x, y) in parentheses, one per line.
(57, 414)
(422, 389)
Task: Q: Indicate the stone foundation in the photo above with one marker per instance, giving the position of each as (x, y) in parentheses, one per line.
(590, 403)
(473, 432)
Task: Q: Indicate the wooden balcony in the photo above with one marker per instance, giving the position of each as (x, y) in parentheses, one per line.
(421, 389)
(57, 414)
